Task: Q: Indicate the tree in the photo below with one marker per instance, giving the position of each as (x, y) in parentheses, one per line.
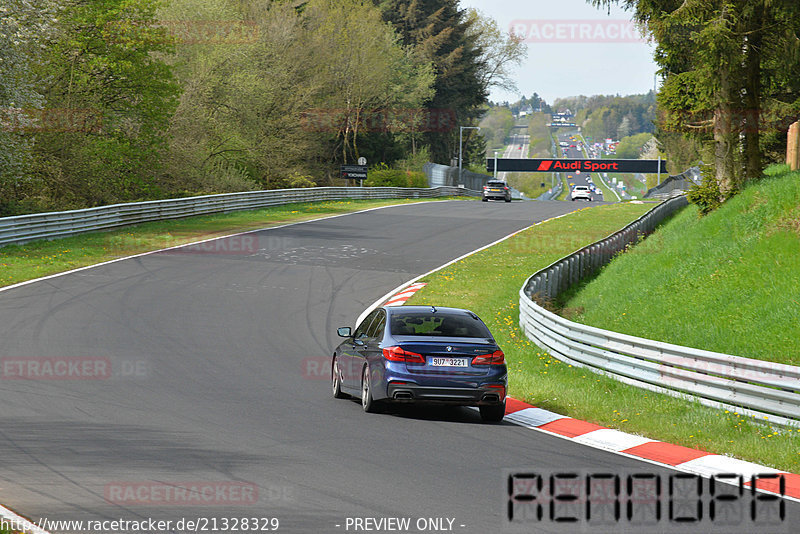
(440, 32)
(725, 63)
(239, 125)
(25, 27)
(303, 93)
(631, 147)
(499, 52)
(111, 95)
(370, 77)
(496, 125)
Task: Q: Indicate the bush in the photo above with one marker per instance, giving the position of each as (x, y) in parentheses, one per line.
(382, 176)
(706, 195)
(415, 162)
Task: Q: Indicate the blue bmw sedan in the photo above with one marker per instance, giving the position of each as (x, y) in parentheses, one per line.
(421, 354)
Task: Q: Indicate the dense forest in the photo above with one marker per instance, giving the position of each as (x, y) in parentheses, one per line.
(611, 117)
(105, 101)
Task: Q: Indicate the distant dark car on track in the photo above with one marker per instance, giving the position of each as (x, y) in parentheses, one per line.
(421, 355)
(497, 189)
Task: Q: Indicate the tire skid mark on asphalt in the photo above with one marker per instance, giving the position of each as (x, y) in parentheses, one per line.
(405, 285)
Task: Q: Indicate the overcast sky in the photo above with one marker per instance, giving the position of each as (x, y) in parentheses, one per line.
(609, 58)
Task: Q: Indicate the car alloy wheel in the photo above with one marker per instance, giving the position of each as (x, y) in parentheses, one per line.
(367, 401)
(336, 380)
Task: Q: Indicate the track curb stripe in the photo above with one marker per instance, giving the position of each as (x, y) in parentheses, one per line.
(658, 452)
(399, 298)
(665, 453)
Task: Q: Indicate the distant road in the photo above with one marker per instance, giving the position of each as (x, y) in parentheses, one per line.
(573, 152)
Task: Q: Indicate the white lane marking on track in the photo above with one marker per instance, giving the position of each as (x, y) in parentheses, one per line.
(18, 522)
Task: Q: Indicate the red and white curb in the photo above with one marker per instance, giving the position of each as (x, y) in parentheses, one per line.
(400, 298)
(682, 458)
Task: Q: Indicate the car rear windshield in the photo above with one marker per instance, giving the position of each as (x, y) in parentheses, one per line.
(438, 324)
(496, 184)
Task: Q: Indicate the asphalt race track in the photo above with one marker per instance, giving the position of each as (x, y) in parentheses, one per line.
(206, 367)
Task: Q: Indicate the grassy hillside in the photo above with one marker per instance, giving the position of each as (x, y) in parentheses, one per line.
(536, 377)
(727, 282)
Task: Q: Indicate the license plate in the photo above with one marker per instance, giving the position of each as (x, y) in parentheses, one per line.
(494, 190)
(449, 362)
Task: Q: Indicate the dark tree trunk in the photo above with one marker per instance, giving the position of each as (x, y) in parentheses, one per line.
(752, 97)
(725, 135)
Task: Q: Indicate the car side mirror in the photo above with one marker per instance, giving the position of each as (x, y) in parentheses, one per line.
(344, 331)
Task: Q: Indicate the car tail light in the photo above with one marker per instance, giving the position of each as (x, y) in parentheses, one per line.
(485, 187)
(495, 358)
(398, 354)
(505, 188)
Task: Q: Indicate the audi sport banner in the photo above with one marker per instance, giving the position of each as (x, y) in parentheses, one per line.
(573, 165)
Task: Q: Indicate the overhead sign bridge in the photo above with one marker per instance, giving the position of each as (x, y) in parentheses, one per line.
(645, 166)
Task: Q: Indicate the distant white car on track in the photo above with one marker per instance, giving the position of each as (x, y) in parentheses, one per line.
(581, 191)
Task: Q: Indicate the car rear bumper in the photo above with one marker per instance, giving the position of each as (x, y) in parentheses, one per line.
(414, 393)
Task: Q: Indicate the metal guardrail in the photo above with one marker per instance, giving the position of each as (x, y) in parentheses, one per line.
(752, 387)
(25, 228)
(444, 175)
(553, 192)
(675, 185)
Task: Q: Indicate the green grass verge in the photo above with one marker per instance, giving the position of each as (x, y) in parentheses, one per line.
(530, 183)
(537, 378)
(632, 186)
(728, 282)
(41, 258)
(607, 194)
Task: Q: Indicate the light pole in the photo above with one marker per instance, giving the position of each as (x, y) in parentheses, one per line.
(495, 163)
(460, 132)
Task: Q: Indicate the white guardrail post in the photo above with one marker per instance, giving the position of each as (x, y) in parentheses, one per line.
(25, 228)
(766, 390)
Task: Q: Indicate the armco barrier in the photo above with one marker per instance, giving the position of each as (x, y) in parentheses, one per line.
(757, 388)
(553, 193)
(675, 185)
(24, 228)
